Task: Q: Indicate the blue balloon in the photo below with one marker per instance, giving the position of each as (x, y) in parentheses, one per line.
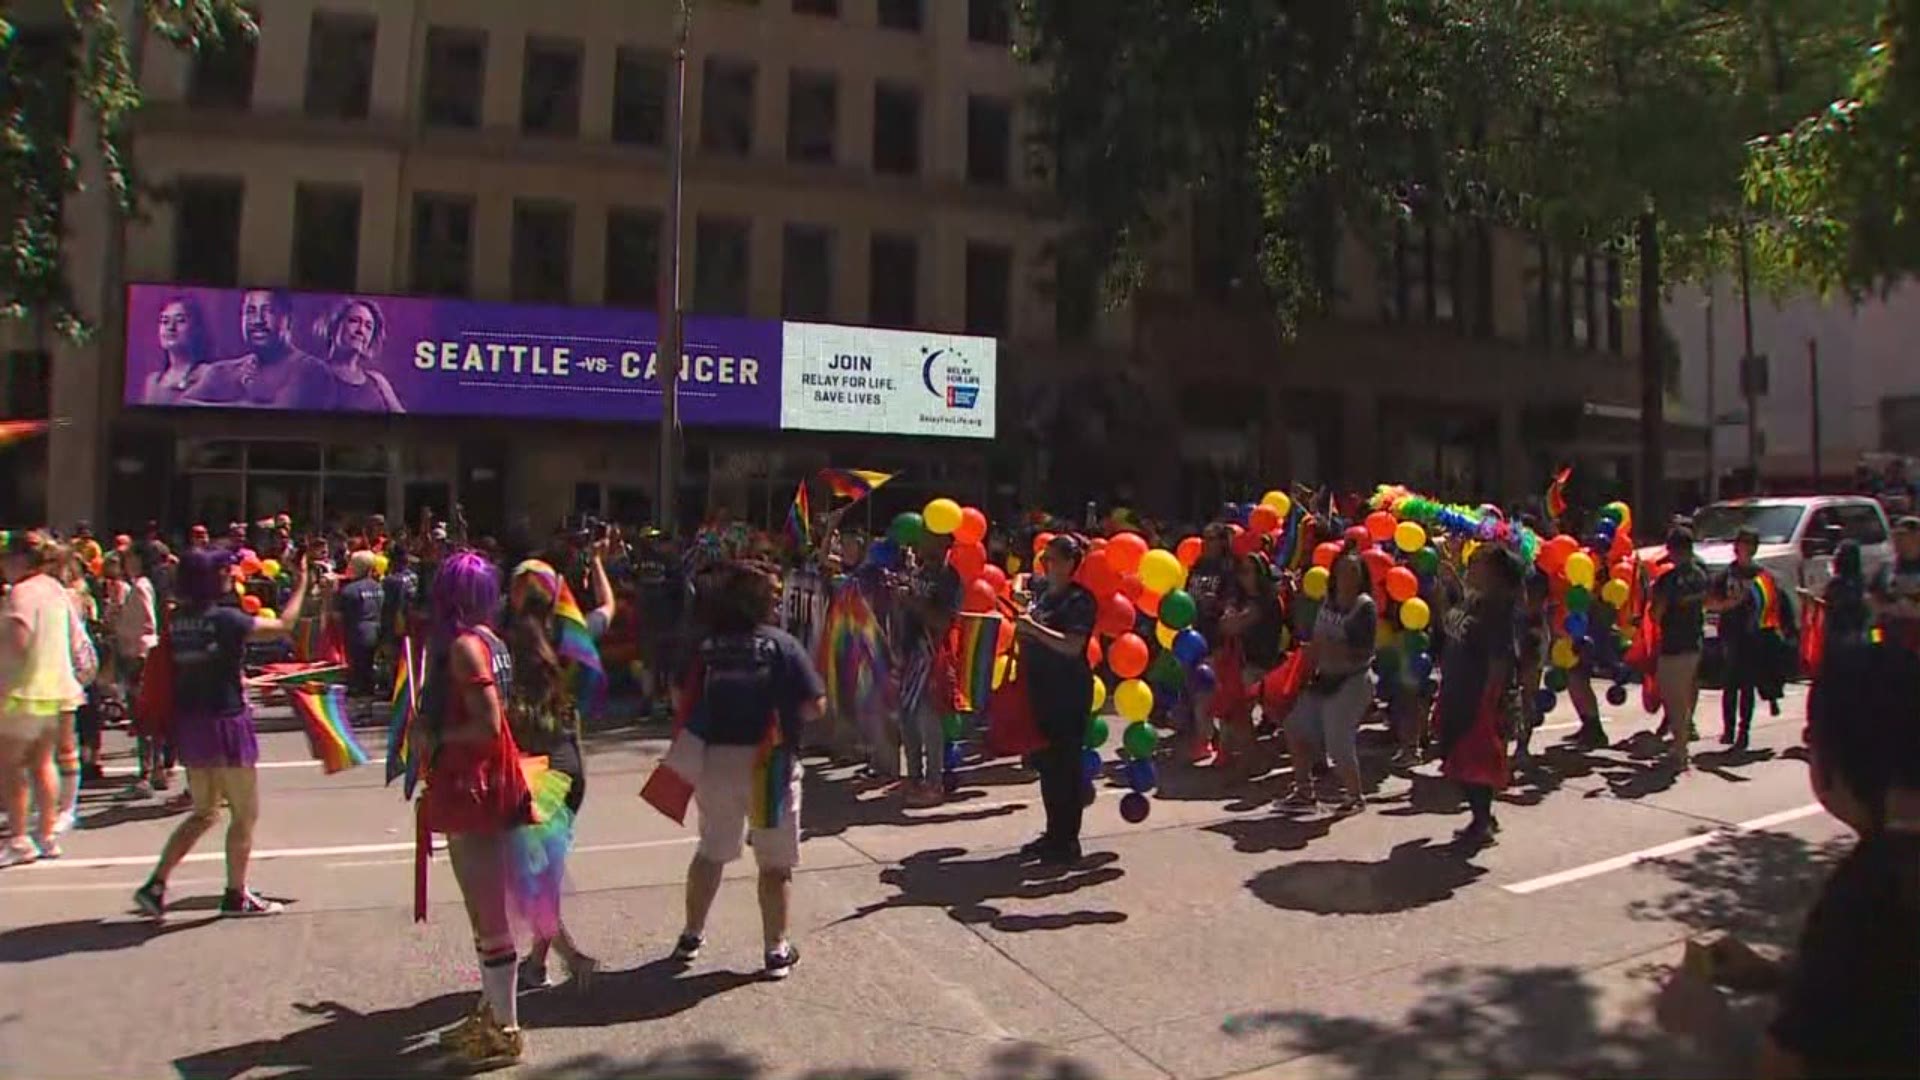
(1140, 776)
(1422, 666)
(1204, 678)
(884, 553)
(1089, 764)
(1544, 701)
(1576, 623)
(954, 756)
(1190, 647)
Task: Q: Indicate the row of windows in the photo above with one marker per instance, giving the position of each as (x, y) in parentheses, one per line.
(326, 255)
(339, 85)
(1444, 274)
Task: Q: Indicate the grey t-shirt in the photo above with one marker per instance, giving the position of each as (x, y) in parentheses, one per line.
(1354, 627)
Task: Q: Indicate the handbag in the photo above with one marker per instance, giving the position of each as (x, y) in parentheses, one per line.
(473, 789)
(80, 650)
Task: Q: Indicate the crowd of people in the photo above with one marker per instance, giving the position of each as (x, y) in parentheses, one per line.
(1459, 636)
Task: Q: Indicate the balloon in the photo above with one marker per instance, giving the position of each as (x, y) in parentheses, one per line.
(1578, 599)
(270, 567)
(1133, 700)
(1417, 643)
(1003, 641)
(1248, 542)
(997, 578)
(1555, 679)
(1263, 519)
(250, 604)
(1134, 807)
(885, 554)
(1117, 616)
(1130, 585)
(973, 526)
(1190, 647)
(1001, 665)
(1140, 775)
(955, 756)
(1278, 502)
(380, 565)
(1576, 624)
(1189, 551)
(1128, 656)
(1378, 563)
(1089, 765)
(1579, 569)
(1097, 727)
(1426, 562)
(1409, 536)
(267, 613)
(1163, 634)
(1544, 701)
(942, 516)
(978, 599)
(1562, 653)
(1357, 536)
(1088, 796)
(1040, 541)
(1402, 584)
(954, 727)
(1140, 740)
(1422, 665)
(1315, 583)
(1555, 553)
(1415, 614)
(1380, 526)
(1126, 550)
(1160, 572)
(1204, 678)
(907, 529)
(1100, 702)
(1324, 554)
(1616, 695)
(1148, 603)
(1098, 575)
(1614, 592)
(1178, 610)
(1095, 654)
(970, 559)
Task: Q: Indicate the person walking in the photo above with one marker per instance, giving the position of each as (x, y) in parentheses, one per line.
(1327, 715)
(1059, 680)
(1679, 606)
(1476, 671)
(39, 691)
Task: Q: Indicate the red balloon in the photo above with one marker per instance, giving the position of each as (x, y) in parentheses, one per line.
(1128, 656)
(1040, 543)
(1188, 552)
(1402, 584)
(969, 559)
(1555, 552)
(1357, 536)
(1098, 575)
(1378, 563)
(1004, 642)
(1117, 615)
(1380, 525)
(1324, 554)
(1248, 542)
(1094, 653)
(1148, 602)
(250, 604)
(979, 597)
(1098, 543)
(1132, 587)
(973, 526)
(1126, 550)
(997, 578)
(1263, 519)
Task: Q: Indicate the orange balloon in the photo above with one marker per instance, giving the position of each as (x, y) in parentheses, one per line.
(1148, 602)
(1094, 652)
(973, 526)
(997, 578)
(1378, 563)
(1189, 551)
(979, 597)
(1040, 542)
(1116, 615)
(1098, 575)
(250, 604)
(1128, 656)
(1324, 554)
(1264, 519)
(969, 558)
(1126, 550)
(1131, 587)
(1402, 584)
(1380, 525)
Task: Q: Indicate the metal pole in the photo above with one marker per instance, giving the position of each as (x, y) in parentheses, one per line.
(1713, 419)
(1748, 366)
(1813, 407)
(666, 511)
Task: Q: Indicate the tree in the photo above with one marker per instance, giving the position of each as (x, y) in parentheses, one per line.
(82, 61)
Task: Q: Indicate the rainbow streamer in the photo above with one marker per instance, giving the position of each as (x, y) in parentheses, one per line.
(1458, 520)
(324, 714)
(978, 636)
(1766, 603)
(1291, 554)
(403, 706)
(855, 484)
(772, 781)
(575, 644)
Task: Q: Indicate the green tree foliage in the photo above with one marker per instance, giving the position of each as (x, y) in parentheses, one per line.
(82, 63)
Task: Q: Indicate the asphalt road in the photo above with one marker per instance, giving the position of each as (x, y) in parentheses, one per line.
(1222, 937)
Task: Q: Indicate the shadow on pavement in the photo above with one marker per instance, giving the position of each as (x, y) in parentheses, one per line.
(1756, 885)
(25, 944)
(940, 879)
(829, 807)
(1257, 836)
(1414, 874)
(714, 1061)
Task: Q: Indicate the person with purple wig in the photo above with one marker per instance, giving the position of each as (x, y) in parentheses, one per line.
(212, 730)
(468, 796)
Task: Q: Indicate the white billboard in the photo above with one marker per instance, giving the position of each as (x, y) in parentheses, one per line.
(886, 382)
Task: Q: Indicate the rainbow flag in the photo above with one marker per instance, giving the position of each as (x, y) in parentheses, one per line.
(855, 484)
(13, 431)
(575, 643)
(1766, 603)
(403, 705)
(1293, 547)
(324, 713)
(978, 635)
(800, 519)
(772, 780)
(1557, 493)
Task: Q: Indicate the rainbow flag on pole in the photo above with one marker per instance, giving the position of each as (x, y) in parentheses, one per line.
(404, 706)
(800, 519)
(855, 484)
(1557, 494)
(575, 642)
(978, 636)
(1766, 604)
(323, 711)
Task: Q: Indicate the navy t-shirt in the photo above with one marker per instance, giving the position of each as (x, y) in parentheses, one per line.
(358, 605)
(747, 682)
(1061, 685)
(209, 655)
(1683, 590)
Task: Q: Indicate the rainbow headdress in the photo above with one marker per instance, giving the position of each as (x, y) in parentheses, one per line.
(1766, 604)
(575, 644)
(768, 798)
(403, 706)
(323, 711)
(978, 636)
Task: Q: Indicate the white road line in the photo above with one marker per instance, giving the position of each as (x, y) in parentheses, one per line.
(631, 845)
(106, 862)
(1659, 851)
(129, 774)
(109, 886)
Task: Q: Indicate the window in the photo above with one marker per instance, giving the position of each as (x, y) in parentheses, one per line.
(443, 244)
(1439, 270)
(542, 251)
(222, 74)
(806, 272)
(828, 8)
(326, 238)
(1544, 297)
(896, 129)
(900, 15)
(893, 280)
(550, 88)
(1076, 301)
(206, 230)
(989, 289)
(1862, 523)
(813, 113)
(988, 22)
(726, 107)
(640, 97)
(633, 258)
(340, 65)
(720, 264)
(1615, 342)
(456, 77)
(989, 140)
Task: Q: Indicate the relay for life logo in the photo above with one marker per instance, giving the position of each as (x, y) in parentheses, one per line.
(950, 378)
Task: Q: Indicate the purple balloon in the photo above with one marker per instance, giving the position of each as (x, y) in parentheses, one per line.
(1204, 678)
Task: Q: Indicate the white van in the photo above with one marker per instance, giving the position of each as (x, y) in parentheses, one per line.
(1798, 534)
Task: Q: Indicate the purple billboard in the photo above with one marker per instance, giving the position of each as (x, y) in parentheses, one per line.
(332, 352)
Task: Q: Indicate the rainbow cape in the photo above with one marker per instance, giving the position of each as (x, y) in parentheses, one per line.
(855, 484)
(978, 636)
(853, 661)
(403, 706)
(323, 711)
(1766, 603)
(575, 642)
(772, 780)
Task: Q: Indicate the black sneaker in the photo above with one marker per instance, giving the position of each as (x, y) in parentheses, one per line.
(151, 899)
(1033, 849)
(687, 949)
(245, 903)
(1477, 834)
(780, 961)
(1067, 854)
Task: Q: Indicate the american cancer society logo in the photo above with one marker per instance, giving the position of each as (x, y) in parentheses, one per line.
(949, 377)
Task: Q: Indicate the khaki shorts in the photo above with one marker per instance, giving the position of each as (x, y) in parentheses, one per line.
(724, 796)
(237, 787)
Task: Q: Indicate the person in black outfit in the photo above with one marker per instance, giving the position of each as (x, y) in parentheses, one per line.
(357, 606)
(1060, 685)
(1752, 650)
(1849, 616)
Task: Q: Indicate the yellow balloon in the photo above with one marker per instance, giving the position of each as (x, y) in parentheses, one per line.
(1562, 653)
(380, 565)
(1580, 569)
(270, 567)
(1315, 583)
(1133, 699)
(1164, 635)
(1415, 614)
(265, 613)
(1614, 593)
(1099, 692)
(1409, 536)
(1277, 502)
(1161, 572)
(1013, 565)
(941, 516)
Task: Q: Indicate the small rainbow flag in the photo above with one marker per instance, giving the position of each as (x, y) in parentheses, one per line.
(855, 484)
(324, 713)
(772, 780)
(404, 705)
(1293, 546)
(978, 636)
(1766, 603)
(1557, 493)
(575, 644)
(800, 519)
(13, 431)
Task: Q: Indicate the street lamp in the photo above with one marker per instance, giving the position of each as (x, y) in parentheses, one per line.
(670, 346)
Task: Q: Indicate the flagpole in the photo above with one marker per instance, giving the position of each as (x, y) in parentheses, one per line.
(668, 305)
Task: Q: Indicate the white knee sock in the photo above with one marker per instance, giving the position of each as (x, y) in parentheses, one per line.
(498, 989)
(69, 791)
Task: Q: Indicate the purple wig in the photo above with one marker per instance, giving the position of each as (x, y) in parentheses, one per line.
(466, 595)
(203, 578)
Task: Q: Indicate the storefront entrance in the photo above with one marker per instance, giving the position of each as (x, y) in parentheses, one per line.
(227, 480)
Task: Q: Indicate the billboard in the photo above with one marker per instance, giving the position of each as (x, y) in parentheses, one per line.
(887, 382)
(334, 352)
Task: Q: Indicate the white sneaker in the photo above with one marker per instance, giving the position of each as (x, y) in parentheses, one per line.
(18, 855)
(63, 824)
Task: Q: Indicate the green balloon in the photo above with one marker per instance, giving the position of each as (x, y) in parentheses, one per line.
(1096, 733)
(954, 726)
(1177, 609)
(907, 528)
(1426, 561)
(1556, 680)
(1389, 660)
(1140, 740)
(1579, 599)
(1416, 643)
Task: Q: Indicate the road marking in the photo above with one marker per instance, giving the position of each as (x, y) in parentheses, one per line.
(129, 774)
(630, 845)
(105, 862)
(110, 886)
(1660, 851)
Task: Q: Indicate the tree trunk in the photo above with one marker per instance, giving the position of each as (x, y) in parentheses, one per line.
(1653, 384)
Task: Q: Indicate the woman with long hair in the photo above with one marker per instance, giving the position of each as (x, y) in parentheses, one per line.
(353, 333)
(186, 347)
(1327, 715)
(1477, 669)
(553, 686)
(39, 692)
